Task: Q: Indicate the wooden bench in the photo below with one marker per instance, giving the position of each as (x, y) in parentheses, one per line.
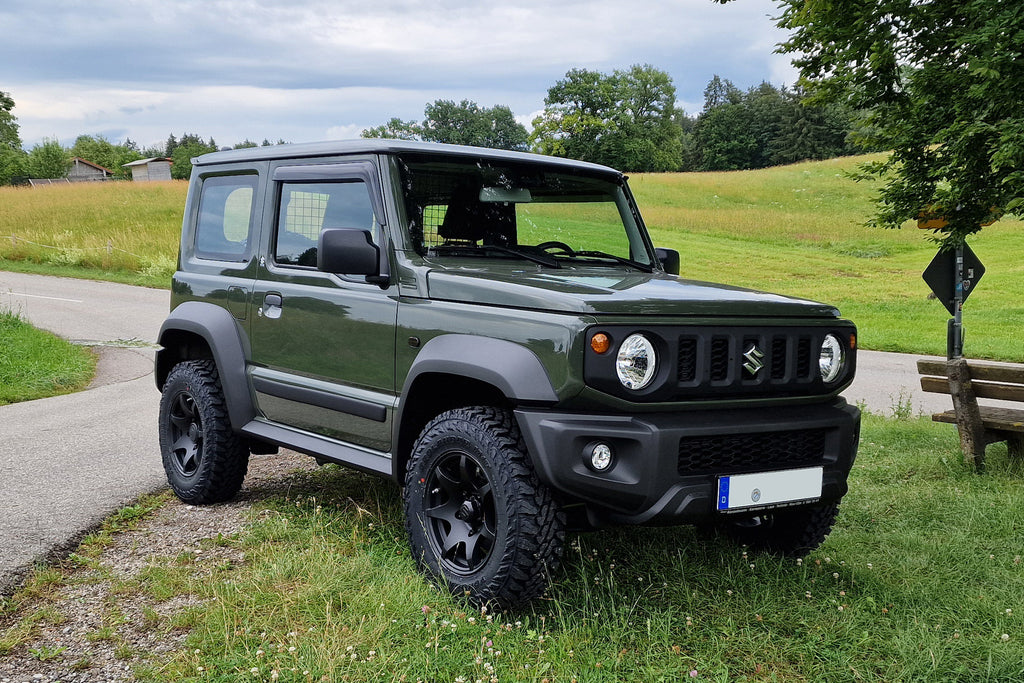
(968, 380)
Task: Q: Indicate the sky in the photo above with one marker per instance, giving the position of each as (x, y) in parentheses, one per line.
(309, 70)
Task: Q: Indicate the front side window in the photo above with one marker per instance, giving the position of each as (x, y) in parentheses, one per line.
(308, 207)
(225, 218)
(496, 209)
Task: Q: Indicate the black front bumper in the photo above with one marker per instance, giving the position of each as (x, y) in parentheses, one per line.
(656, 477)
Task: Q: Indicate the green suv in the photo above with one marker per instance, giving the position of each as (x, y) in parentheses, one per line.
(495, 332)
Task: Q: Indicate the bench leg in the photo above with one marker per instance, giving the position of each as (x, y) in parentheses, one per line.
(972, 443)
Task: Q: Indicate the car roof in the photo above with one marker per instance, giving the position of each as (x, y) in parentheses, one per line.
(308, 150)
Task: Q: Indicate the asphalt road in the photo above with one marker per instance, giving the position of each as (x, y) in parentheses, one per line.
(67, 462)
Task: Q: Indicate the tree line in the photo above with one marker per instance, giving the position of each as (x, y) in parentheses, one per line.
(629, 119)
(50, 159)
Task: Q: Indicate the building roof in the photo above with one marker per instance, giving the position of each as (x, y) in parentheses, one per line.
(90, 164)
(143, 162)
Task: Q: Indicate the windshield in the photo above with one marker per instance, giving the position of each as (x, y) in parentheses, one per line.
(497, 209)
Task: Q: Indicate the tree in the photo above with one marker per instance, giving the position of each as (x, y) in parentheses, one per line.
(465, 123)
(101, 151)
(48, 160)
(183, 150)
(11, 156)
(942, 82)
(627, 119)
(765, 126)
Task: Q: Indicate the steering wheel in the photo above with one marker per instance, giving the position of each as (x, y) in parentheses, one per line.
(562, 247)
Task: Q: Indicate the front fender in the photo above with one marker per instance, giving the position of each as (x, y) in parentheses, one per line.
(511, 368)
(228, 344)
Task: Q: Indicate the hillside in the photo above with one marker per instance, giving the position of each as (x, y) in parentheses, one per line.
(796, 230)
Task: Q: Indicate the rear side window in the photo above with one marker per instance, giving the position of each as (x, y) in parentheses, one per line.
(225, 218)
(308, 208)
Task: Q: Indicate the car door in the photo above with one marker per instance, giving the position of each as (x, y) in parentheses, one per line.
(323, 344)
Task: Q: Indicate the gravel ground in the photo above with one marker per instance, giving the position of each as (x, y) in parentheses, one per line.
(76, 643)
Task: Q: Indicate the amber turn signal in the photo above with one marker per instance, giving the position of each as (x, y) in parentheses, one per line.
(600, 343)
(853, 341)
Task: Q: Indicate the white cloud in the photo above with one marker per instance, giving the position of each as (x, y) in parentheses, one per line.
(303, 69)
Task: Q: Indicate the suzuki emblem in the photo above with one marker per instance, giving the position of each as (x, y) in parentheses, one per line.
(755, 360)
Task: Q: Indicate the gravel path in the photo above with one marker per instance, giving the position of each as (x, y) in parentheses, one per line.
(76, 640)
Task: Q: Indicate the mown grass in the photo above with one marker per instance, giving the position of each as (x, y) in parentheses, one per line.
(921, 580)
(796, 230)
(36, 364)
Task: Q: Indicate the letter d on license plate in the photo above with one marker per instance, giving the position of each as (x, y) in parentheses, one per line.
(769, 488)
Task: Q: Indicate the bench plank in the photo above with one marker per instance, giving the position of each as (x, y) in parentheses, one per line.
(996, 419)
(985, 370)
(1003, 392)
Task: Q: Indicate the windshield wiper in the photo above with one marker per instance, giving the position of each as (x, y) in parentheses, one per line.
(618, 259)
(542, 260)
(453, 250)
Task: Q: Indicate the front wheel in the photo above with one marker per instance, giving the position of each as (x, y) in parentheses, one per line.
(792, 532)
(477, 517)
(203, 458)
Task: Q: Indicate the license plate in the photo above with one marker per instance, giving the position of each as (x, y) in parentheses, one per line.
(765, 489)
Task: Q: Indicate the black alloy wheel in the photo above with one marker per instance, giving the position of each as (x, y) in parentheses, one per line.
(186, 431)
(205, 461)
(461, 513)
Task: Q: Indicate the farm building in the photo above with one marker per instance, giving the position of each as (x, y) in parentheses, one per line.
(157, 168)
(83, 170)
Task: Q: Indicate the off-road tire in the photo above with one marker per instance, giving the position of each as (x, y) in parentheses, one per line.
(204, 459)
(478, 518)
(792, 532)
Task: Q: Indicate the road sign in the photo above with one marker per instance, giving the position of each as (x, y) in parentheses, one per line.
(941, 276)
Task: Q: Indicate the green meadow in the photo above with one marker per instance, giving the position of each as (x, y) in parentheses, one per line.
(797, 230)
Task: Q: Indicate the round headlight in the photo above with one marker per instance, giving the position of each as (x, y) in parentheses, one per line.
(830, 362)
(636, 363)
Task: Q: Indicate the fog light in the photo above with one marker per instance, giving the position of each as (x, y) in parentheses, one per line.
(600, 456)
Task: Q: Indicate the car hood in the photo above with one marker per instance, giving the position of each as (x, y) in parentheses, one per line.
(612, 291)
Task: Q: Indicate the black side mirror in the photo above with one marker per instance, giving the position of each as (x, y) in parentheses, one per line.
(669, 259)
(348, 251)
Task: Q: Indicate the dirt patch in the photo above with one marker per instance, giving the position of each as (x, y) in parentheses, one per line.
(88, 632)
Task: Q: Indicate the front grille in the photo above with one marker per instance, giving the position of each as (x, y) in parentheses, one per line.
(733, 453)
(724, 362)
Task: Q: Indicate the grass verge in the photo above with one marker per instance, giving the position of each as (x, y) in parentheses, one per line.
(921, 580)
(36, 364)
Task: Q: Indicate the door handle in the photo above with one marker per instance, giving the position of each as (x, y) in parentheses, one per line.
(272, 306)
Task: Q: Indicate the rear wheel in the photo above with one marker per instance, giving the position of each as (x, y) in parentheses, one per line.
(792, 532)
(477, 517)
(205, 461)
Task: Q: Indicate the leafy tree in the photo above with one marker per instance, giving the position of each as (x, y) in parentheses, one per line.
(48, 160)
(463, 123)
(101, 151)
(627, 119)
(395, 129)
(246, 144)
(11, 155)
(942, 81)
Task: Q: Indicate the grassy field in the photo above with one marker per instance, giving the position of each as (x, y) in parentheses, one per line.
(796, 230)
(127, 232)
(922, 580)
(35, 364)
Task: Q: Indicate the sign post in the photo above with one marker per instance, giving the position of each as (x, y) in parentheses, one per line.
(952, 275)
